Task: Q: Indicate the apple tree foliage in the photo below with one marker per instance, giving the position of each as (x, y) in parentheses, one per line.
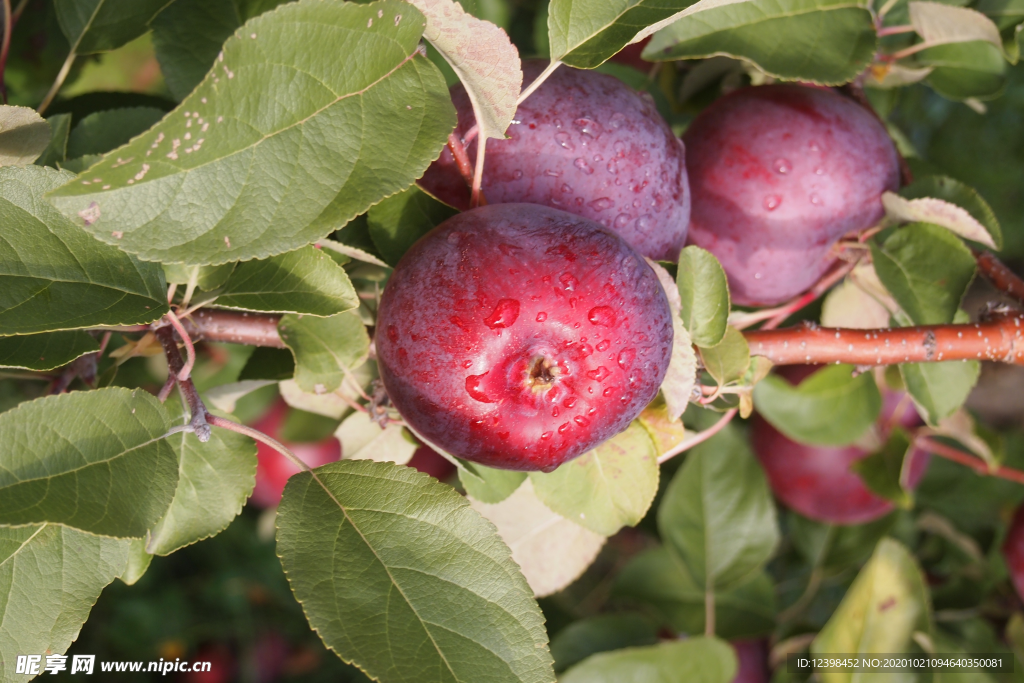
(278, 176)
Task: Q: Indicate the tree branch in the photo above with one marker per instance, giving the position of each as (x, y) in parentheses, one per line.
(967, 460)
(176, 364)
(252, 329)
(1001, 277)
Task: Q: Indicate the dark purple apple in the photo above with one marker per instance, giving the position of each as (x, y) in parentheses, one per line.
(817, 481)
(519, 336)
(1013, 550)
(752, 660)
(779, 173)
(586, 143)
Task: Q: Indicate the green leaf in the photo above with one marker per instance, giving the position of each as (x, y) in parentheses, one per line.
(965, 70)
(56, 148)
(887, 603)
(939, 24)
(677, 387)
(363, 439)
(550, 550)
(100, 25)
(834, 547)
(908, 264)
(482, 56)
(397, 222)
(325, 349)
(214, 481)
(941, 200)
(24, 135)
(103, 131)
(92, 460)
(302, 281)
(397, 574)
(206, 277)
(824, 41)
(939, 389)
(188, 34)
(697, 660)
(138, 562)
(705, 296)
(728, 360)
(882, 471)
(54, 276)
(602, 633)
(717, 515)
(656, 578)
(488, 484)
(245, 176)
(267, 363)
(607, 488)
(45, 351)
(51, 577)
(832, 407)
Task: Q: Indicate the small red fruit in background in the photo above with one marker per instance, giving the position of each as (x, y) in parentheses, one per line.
(752, 657)
(779, 173)
(585, 143)
(273, 469)
(1013, 550)
(519, 336)
(816, 481)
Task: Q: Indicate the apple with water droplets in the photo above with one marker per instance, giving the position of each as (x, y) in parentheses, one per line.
(519, 336)
(779, 173)
(585, 143)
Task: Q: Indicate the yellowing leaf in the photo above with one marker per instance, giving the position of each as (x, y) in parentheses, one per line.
(938, 212)
(940, 24)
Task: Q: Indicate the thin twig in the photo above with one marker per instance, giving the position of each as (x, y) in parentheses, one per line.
(5, 46)
(190, 350)
(458, 149)
(968, 460)
(18, 10)
(224, 423)
(175, 365)
(476, 197)
(699, 438)
(894, 30)
(58, 82)
(709, 612)
(1001, 277)
(537, 82)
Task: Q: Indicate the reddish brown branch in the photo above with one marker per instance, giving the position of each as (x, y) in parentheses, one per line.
(175, 365)
(252, 329)
(997, 340)
(968, 460)
(1001, 277)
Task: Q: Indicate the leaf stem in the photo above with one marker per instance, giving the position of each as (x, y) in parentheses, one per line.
(230, 425)
(190, 350)
(58, 82)
(458, 150)
(894, 30)
(699, 438)
(794, 610)
(968, 460)
(476, 197)
(537, 82)
(709, 612)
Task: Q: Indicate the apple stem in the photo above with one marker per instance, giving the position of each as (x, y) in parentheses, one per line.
(973, 462)
(458, 150)
(233, 426)
(476, 197)
(537, 82)
(190, 349)
(187, 388)
(698, 438)
(894, 30)
(1001, 277)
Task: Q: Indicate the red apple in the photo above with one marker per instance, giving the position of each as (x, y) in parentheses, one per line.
(273, 470)
(817, 481)
(586, 143)
(428, 461)
(519, 336)
(779, 173)
(1013, 550)
(752, 656)
(630, 56)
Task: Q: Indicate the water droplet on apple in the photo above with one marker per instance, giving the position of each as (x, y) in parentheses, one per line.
(552, 173)
(568, 282)
(570, 402)
(815, 199)
(612, 167)
(819, 170)
(542, 316)
(619, 147)
(586, 350)
(467, 364)
(473, 388)
(563, 428)
(581, 421)
(503, 315)
(546, 435)
(566, 188)
(607, 392)
(626, 358)
(565, 140)
(603, 345)
(554, 411)
(602, 315)
(392, 333)
(600, 374)
(588, 127)
(782, 166)
(644, 223)
(772, 201)
(582, 164)
(617, 120)
(626, 398)
(601, 203)
(814, 146)
(517, 174)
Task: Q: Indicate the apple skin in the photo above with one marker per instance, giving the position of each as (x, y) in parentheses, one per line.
(816, 481)
(519, 336)
(585, 143)
(273, 469)
(752, 657)
(1013, 550)
(778, 174)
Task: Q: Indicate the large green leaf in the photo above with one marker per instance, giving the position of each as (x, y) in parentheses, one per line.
(887, 603)
(92, 460)
(24, 135)
(214, 481)
(188, 34)
(704, 292)
(54, 276)
(697, 660)
(963, 70)
(607, 488)
(50, 577)
(908, 263)
(233, 174)
(101, 25)
(824, 41)
(302, 281)
(658, 579)
(397, 222)
(488, 484)
(45, 351)
(717, 515)
(939, 389)
(397, 574)
(832, 407)
(325, 349)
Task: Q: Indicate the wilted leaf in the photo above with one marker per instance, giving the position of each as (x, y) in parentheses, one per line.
(550, 550)
(372, 549)
(607, 488)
